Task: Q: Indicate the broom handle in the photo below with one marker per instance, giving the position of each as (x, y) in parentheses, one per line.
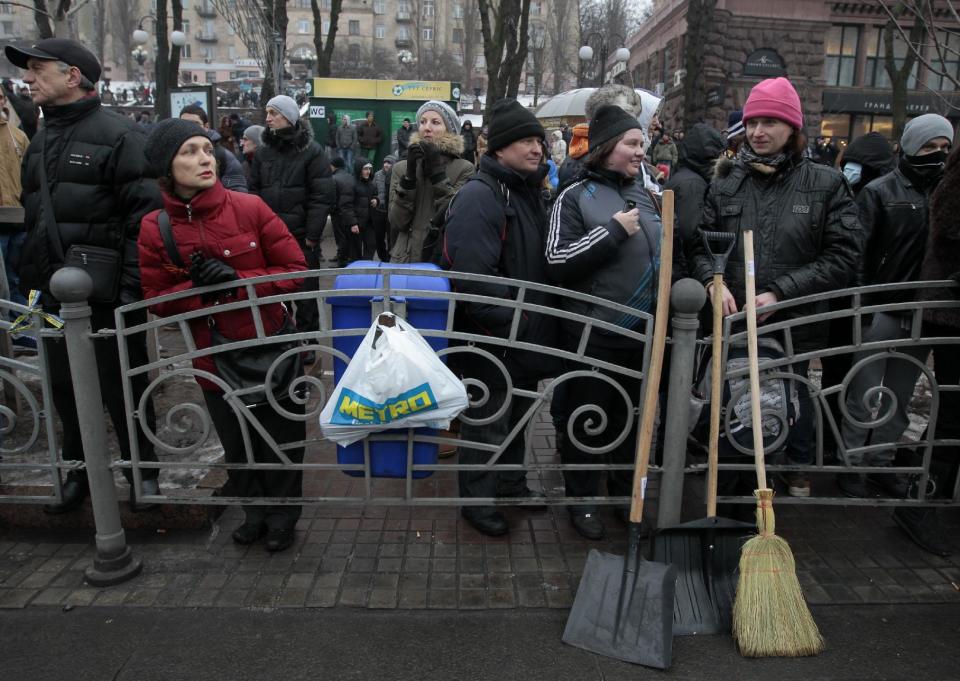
(716, 395)
(754, 361)
(652, 379)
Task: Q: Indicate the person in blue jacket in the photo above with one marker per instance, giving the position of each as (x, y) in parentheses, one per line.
(603, 239)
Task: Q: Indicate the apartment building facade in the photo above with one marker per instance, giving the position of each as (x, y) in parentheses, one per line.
(424, 39)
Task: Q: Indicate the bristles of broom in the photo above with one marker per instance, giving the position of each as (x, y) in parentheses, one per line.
(770, 616)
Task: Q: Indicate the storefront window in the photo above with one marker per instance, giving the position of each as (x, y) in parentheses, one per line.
(841, 61)
(949, 47)
(876, 75)
(836, 126)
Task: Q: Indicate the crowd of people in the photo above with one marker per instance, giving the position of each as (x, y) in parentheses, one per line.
(185, 205)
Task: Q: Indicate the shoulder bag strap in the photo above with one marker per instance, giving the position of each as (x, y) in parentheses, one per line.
(49, 217)
(166, 231)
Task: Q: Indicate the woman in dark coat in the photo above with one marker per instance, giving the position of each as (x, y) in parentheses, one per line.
(806, 229)
(225, 236)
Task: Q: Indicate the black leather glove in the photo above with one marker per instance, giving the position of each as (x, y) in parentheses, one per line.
(434, 163)
(212, 271)
(415, 155)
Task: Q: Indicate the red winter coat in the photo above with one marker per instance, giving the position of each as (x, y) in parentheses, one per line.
(239, 229)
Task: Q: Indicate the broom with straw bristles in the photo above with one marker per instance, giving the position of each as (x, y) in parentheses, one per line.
(770, 616)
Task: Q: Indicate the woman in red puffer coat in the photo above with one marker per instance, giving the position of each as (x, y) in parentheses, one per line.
(237, 237)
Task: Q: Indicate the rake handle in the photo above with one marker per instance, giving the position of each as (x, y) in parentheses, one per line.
(753, 354)
(655, 369)
(716, 395)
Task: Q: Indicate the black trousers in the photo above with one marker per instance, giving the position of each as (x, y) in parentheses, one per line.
(111, 391)
(946, 363)
(381, 229)
(307, 314)
(595, 391)
(341, 234)
(491, 483)
(251, 483)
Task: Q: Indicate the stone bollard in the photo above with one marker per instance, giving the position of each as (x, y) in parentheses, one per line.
(686, 299)
(114, 562)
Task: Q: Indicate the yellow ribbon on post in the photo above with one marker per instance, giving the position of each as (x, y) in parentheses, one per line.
(22, 323)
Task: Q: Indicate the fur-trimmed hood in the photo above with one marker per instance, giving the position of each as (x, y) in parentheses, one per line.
(296, 138)
(448, 143)
(723, 167)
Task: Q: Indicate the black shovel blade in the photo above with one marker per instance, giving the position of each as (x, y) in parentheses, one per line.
(706, 553)
(624, 611)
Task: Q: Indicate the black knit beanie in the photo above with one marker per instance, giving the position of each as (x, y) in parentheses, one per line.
(609, 122)
(165, 140)
(509, 122)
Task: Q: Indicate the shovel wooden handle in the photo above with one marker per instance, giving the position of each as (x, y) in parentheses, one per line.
(753, 354)
(655, 368)
(716, 395)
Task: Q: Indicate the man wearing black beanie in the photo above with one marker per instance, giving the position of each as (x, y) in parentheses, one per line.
(496, 225)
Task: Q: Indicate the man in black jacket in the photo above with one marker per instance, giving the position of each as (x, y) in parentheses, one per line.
(489, 233)
(894, 214)
(344, 219)
(291, 173)
(92, 161)
(698, 152)
(403, 138)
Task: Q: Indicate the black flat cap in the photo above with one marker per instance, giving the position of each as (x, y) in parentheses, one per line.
(57, 49)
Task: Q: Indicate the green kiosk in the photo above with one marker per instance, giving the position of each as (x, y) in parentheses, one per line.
(390, 101)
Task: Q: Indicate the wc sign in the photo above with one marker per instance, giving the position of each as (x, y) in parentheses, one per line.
(318, 111)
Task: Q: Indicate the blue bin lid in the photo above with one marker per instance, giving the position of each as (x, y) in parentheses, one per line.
(402, 281)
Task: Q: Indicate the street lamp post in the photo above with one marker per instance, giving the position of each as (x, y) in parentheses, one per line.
(162, 63)
(279, 47)
(140, 56)
(586, 54)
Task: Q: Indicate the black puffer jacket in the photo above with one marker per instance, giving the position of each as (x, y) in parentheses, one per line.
(345, 184)
(699, 151)
(363, 191)
(807, 234)
(291, 173)
(588, 251)
(505, 237)
(100, 186)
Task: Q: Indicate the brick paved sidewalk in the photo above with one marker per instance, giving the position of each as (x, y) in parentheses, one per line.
(429, 558)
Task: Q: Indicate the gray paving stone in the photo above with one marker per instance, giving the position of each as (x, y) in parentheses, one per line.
(142, 597)
(356, 598)
(199, 598)
(322, 598)
(413, 599)
(445, 599)
(82, 596)
(51, 596)
(112, 596)
(382, 599)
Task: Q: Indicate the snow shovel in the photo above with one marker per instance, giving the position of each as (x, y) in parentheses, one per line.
(707, 551)
(624, 605)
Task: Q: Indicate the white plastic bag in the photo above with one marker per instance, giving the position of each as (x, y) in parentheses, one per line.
(395, 380)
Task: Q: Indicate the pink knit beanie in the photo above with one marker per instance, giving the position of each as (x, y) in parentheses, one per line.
(774, 98)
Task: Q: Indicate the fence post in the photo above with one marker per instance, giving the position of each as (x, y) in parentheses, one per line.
(686, 300)
(114, 562)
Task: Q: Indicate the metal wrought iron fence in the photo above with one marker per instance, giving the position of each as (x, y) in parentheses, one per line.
(327, 476)
(30, 466)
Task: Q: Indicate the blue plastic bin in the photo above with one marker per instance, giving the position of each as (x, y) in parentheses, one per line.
(387, 459)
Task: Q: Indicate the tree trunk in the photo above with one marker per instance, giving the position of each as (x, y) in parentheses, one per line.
(504, 46)
(277, 18)
(900, 78)
(41, 17)
(325, 49)
(161, 102)
(699, 21)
